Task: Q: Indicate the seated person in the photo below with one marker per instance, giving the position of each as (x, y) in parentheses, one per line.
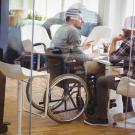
(68, 36)
(103, 84)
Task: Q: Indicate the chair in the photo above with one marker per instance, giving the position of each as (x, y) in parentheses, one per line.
(40, 43)
(125, 87)
(54, 28)
(19, 73)
(40, 35)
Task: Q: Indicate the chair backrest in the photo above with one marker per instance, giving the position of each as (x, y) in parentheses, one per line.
(99, 32)
(126, 87)
(40, 34)
(27, 44)
(54, 28)
(11, 70)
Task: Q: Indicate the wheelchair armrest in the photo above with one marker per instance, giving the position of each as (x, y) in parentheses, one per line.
(38, 44)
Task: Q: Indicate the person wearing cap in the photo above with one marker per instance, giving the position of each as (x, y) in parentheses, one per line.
(104, 83)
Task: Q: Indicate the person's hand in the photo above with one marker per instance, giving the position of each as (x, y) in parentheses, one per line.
(118, 38)
(106, 46)
(87, 44)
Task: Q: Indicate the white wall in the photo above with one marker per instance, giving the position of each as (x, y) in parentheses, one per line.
(103, 11)
(27, 4)
(112, 13)
(117, 15)
(20, 4)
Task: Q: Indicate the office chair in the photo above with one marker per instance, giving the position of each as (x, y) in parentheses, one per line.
(41, 40)
(19, 73)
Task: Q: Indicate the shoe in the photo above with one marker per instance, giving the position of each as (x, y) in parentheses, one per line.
(96, 121)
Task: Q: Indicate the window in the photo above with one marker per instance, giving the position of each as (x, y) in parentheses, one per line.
(91, 5)
(40, 7)
(68, 3)
(49, 8)
(53, 7)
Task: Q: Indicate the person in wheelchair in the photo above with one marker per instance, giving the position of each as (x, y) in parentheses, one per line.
(68, 36)
(103, 84)
(68, 39)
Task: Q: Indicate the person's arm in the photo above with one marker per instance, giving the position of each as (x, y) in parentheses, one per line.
(112, 47)
(116, 55)
(114, 42)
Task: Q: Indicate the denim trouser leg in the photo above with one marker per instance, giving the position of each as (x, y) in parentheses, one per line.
(103, 85)
(100, 103)
(102, 95)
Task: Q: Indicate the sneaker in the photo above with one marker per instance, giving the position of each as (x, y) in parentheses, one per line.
(96, 121)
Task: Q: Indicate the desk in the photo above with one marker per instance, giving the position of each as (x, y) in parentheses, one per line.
(104, 60)
(109, 66)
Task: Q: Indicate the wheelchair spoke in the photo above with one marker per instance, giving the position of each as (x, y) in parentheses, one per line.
(72, 91)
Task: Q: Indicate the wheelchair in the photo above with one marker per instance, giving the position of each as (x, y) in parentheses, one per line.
(68, 94)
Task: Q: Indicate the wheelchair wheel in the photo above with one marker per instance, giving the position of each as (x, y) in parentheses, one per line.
(38, 91)
(68, 97)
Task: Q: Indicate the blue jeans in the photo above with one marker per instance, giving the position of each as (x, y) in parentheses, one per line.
(103, 84)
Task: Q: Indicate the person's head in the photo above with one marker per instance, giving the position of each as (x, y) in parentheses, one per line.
(129, 25)
(74, 17)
